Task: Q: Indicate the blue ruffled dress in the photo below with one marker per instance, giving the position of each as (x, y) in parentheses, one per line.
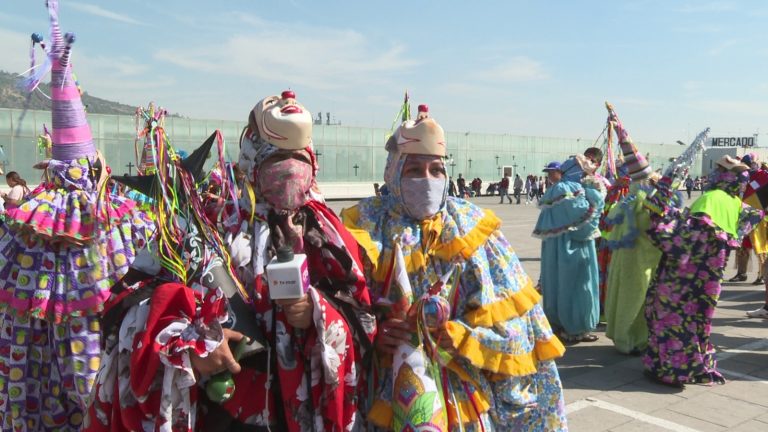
(568, 226)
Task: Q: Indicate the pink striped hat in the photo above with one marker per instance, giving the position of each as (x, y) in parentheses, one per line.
(71, 133)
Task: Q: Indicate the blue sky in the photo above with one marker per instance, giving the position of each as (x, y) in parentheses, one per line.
(544, 68)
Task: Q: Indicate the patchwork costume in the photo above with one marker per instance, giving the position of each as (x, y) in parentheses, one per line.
(60, 251)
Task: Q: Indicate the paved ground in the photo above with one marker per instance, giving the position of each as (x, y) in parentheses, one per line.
(606, 391)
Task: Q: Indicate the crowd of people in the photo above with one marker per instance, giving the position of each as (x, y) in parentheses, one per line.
(629, 251)
(532, 188)
(154, 302)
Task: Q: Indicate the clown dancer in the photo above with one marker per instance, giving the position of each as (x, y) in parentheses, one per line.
(683, 295)
(307, 377)
(567, 225)
(60, 251)
(633, 257)
(475, 354)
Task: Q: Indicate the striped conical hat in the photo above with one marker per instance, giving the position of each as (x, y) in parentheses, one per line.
(634, 161)
(71, 133)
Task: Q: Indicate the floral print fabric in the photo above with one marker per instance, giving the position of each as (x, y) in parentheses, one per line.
(315, 376)
(682, 296)
(504, 376)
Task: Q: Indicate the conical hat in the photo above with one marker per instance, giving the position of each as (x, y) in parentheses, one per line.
(71, 133)
(634, 161)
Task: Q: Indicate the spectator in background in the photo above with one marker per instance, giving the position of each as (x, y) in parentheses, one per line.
(451, 187)
(504, 190)
(518, 187)
(376, 191)
(534, 188)
(527, 189)
(689, 186)
(462, 185)
(19, 189)
(491, 189)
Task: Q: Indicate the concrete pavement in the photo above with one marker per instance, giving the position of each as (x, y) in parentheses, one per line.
(606, 390)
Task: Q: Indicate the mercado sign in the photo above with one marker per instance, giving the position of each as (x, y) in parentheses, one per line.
(733, 142)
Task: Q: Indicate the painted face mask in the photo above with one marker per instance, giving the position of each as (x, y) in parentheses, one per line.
(423, 197)
(285, 183)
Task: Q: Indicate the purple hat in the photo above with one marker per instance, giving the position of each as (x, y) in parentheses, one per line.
(71, 133)
(552, 166)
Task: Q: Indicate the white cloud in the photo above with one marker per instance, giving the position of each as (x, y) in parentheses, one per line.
(119, 78)
(515, 69)
(15, 49)
(315, 57)
(99, 11)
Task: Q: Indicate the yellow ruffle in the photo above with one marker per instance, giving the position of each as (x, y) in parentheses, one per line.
(498, 362)
(350, 217)
(513, 306)
(758, 237)
(549, 350)
(416, 260)
(468, 244)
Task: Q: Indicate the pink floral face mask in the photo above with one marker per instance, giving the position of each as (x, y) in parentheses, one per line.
(285, 183)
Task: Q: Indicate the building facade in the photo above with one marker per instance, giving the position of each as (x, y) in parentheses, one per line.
(352, 156)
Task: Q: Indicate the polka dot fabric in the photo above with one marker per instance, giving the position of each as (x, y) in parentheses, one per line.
(57, 264)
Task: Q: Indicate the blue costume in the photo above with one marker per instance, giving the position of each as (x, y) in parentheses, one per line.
(568, 225)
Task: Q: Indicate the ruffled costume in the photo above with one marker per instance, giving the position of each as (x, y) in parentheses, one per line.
(616, 193)
(310, 379)
(503, 375)
(758, 238)
(633, 263)
(683, 294)
(60, 251)
(568, 225)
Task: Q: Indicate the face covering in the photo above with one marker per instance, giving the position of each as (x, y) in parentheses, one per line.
(422, 197)
(284, 184)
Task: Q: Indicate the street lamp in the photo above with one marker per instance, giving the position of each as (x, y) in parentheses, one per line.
(452, 163)
(497, 159)
(498, 170)
(356, 168)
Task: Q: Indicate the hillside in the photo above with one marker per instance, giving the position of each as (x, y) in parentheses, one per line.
(11, 96)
